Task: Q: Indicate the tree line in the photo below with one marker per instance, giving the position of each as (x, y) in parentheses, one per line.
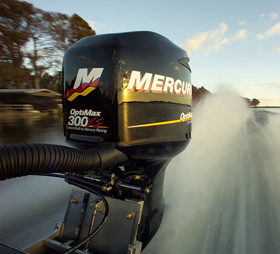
(33, 42)
(200, 93)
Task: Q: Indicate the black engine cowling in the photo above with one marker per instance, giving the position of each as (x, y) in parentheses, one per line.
(129, 90)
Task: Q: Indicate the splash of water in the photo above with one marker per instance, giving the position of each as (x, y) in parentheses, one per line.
(222, 193)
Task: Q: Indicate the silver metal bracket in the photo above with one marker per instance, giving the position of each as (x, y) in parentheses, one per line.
(84, 213)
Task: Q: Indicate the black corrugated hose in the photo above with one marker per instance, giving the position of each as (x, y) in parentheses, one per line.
(34, 159)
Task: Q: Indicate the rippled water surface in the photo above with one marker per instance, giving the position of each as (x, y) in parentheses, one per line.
(222, 193)
(31, 205)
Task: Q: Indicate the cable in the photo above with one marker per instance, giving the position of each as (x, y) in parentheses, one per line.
(80, 183)
(89, 237)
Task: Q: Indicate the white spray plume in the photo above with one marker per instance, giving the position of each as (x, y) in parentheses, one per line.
(222, 192)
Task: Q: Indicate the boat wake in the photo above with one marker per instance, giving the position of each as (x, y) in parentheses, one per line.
(222, 193)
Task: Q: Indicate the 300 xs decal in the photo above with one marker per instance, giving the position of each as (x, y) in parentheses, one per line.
(84, 83)
(86, 120)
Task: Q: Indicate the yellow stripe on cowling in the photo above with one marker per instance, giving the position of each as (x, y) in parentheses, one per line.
(102, 127)
(83, 93)
(160, 123)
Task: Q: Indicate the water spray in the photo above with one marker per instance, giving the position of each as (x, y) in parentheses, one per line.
(226, 199)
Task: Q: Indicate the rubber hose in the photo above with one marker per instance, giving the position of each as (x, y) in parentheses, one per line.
(34, 159)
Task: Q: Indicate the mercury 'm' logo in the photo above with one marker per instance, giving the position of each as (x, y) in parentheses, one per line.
(84, 83)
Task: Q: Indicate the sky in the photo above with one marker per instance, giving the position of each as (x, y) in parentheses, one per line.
(232, 44)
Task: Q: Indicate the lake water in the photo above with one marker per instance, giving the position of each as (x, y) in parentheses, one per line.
(222, 193)
(31, 205)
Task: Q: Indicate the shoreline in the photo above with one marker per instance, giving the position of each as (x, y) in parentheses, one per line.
(11, 114)
(267, 107)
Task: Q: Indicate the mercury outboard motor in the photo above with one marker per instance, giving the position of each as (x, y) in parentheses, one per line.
(130, 91)
(127, 101)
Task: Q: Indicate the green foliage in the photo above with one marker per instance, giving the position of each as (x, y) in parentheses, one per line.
(255, 102)
(52, 82)
(15, 20)
(199, 93)
(33, 42)
(79, 29)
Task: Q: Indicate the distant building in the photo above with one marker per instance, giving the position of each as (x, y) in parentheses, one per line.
(40, 99)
